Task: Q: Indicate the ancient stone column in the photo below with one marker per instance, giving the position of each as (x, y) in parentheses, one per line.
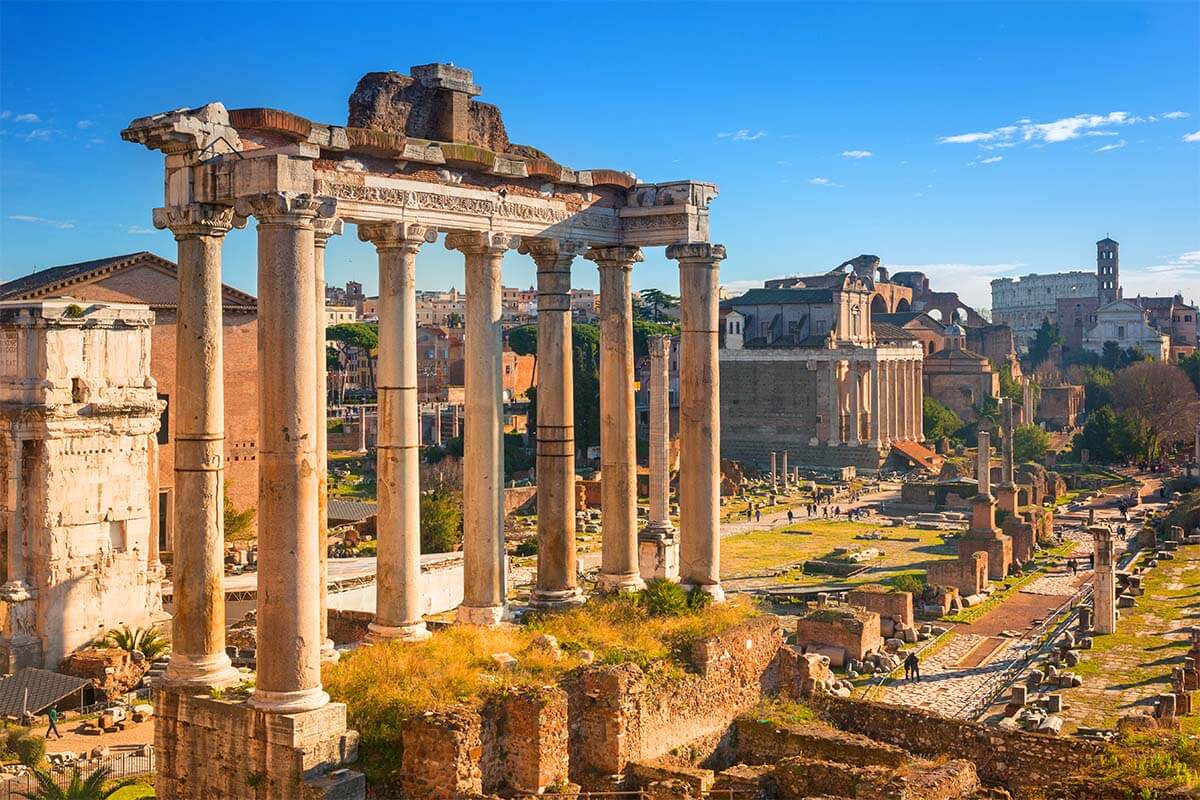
(198, 628)
(289, 570)
(618, 451)
(835, 404)
(773, 471)
(362, 429)
(437, 424)
(906, 402)
(783, 468)
(983, 468)
(322, 230)
(556, 585)
(876, 395)
(1006, 492)
(484, 562)
(660, 435)
(856, 405)
(918, 406)
(894, 398)
(398, 603)
(1104, 580)
(699, 417)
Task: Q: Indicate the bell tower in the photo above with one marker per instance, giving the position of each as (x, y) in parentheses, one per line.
(1108, 270)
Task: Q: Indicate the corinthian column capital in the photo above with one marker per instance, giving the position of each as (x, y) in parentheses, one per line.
(615, 257)
(287, 208)
(482, 242)
(324, 228)
(553, 255)
(696, 251)
(198, 219)
(396, 235)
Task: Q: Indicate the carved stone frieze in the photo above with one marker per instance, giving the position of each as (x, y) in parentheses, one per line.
(491, 242)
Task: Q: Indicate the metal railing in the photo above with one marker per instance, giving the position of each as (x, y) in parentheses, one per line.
(120, 766)
(143, 694)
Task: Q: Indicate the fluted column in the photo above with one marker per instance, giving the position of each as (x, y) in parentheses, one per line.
(876, 394)
(398, 603)
(906, 377)
(835, 405)
(484, 563)
(289, 570)
(918, 406)
(659, 523)
(556, 585)
(699, 417)
(198, 628)
(618, 447)
(322, 230)
(854, 434)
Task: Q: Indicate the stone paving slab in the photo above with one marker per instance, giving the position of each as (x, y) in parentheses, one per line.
(1058, 584)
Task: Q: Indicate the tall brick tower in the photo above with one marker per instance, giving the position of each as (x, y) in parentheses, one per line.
(1108, 270)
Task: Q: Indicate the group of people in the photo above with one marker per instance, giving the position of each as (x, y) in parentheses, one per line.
(812, 510)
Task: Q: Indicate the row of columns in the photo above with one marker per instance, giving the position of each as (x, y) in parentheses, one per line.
(886, 394)
(292, 232)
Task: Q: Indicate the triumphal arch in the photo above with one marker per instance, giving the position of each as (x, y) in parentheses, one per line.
(419, 157)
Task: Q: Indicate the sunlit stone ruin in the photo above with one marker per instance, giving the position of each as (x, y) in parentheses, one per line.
(418, 158)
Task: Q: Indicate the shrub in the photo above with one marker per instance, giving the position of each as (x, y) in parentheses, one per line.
(698, 599)
(29, 749)
(148, 641)
(664, 598)
(441, 522)
(529, 547)
(915, 584)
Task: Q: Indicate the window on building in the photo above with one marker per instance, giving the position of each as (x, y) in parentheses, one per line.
(1120, 331)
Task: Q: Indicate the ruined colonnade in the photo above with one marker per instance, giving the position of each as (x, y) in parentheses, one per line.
(874, 402)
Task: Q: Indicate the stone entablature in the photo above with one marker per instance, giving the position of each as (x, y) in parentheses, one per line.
(78, 414)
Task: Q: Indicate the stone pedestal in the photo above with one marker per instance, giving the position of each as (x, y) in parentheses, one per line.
(658, 556)
(211, 749)
(1104, 580)
(983, 535)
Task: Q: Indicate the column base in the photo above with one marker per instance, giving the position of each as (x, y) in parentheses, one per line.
(556, 600)
(288, 702)
(329, 653)
(409, 632)
(713, 590)
(486, 616)
(658, 554)
(625, 582)
(213, 670)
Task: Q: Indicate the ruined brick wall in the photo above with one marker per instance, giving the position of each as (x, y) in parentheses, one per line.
(887, 604)
(209, 748)
(619, 715)
(1020, 761)
(855, 630)
(348, 627)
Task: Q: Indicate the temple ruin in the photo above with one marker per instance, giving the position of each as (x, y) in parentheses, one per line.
(419, 158)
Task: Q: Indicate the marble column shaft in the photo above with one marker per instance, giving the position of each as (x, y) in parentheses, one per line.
(289, 591)
(1006, 416)
(918, 407)
(699, 416)
(835, 404)
(876, 394)
(618, 445)
(322, 230)
(659, 523)
(198, 626)
(398, 602)
(555, 585)
(484, 562)
(983, 467)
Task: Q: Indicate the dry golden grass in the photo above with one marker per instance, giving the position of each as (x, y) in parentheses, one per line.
(386, 683)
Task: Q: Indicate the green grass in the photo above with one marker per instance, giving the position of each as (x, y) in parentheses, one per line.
(782, 712)
(760, 551)
(136, 792)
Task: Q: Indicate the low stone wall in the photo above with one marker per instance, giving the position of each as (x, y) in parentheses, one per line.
(348, 627)
(209, 748)
(887, 603)
(619, 715)
(1022, 762)
(516, 497)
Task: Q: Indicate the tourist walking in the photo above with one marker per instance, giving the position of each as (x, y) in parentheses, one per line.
(52, 715)
(757, 515)
(912, 668)
(791, 517)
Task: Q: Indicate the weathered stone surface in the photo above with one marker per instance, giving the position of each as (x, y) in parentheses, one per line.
(397, 103)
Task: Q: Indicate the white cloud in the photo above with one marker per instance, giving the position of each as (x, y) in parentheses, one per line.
(992, 160)
(857, 154)
(95, 140)
(84, 124)
(1176, 115)
(1180, 274)
(1060, 130)
(41, 135)
(1107, 147)
(1192, 137)
(31, 118)
(54, 223)
(140, 230)
(819, 181)
(5, 114)
(1101, 133)
(742, 135)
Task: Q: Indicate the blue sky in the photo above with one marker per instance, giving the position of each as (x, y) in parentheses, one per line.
(971, 139)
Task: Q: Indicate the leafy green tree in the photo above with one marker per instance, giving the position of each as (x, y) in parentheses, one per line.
(29, 749)
(441, 521)
(454, 320)
(357, 336)
(237, 522)
(585, 351)
(939, 420)
(656, 300)
(1097, 381)
(95, 786)
(642, 330)
(1113, 438)
(148, 641)
(1190, 364)
(1046, 337)
(1029, 443)
(523, 340)
(1008, 386)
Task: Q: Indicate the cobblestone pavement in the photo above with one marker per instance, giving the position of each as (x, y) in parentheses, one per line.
(946, 689)
(1059, 584)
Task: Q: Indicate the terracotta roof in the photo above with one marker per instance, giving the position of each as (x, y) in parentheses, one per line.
(920, 455)
(45, 688)
(57, 281)
(891, 333)
(756, 297)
